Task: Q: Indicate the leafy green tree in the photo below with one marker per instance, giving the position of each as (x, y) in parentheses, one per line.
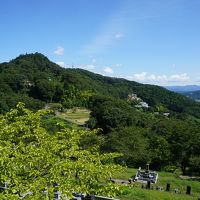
(159, 152)
(110, 114)
(182, 137)
(195, 164)
(31, 160)
(131, 142)
(44, 89)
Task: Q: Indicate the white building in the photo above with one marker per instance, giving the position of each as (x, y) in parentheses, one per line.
(142, 104)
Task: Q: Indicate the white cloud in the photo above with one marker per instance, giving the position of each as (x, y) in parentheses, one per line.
(61, 63)
(87, 67)
(180, 77)
(59, 51)
(144, 77)
(118, 36)
(108, 70)
(118, 65)
(140, 77)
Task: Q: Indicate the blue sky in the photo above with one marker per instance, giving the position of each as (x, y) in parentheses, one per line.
(149, 41)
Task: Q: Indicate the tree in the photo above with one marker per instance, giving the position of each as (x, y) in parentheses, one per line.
(159, 151)
(111, 114)
(131, 142)
(31, 160)
(44, 90)
(195, 164)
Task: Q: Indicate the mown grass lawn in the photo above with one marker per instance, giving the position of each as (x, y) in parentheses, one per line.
(136, 192)
(144, 194)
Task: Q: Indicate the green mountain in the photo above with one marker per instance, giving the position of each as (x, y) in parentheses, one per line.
(36, 80)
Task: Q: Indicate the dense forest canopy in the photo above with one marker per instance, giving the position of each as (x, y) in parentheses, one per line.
(166, 133)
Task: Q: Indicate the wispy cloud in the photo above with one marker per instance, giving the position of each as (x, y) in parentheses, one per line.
(89, 67)
(108, 34)
(118, 65)
(117, 25)
(144, 77)
(108, 70)
(59, 51)
(61, 63)
(98, 44)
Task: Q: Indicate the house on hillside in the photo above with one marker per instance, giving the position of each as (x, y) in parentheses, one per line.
(136, 101)
(142, 104)
(133, 97)
(166, 114)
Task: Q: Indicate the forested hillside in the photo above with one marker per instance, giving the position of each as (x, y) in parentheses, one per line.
(36, 80)
(165, 132)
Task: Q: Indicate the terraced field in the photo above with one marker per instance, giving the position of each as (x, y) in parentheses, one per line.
(75, 115)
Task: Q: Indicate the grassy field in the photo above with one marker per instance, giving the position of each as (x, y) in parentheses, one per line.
(143, 194)
(135, 191)
(75, 115)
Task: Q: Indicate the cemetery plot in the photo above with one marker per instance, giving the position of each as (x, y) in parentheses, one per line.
(146, 176)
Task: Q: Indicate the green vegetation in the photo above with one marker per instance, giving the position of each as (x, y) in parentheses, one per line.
(146, 137)
(32, 160)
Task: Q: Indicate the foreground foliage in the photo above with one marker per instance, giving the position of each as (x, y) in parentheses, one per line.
(32, 160)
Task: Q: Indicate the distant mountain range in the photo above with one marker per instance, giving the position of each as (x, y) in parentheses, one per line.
(193, 94)
(192, 91)
(185, 88)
